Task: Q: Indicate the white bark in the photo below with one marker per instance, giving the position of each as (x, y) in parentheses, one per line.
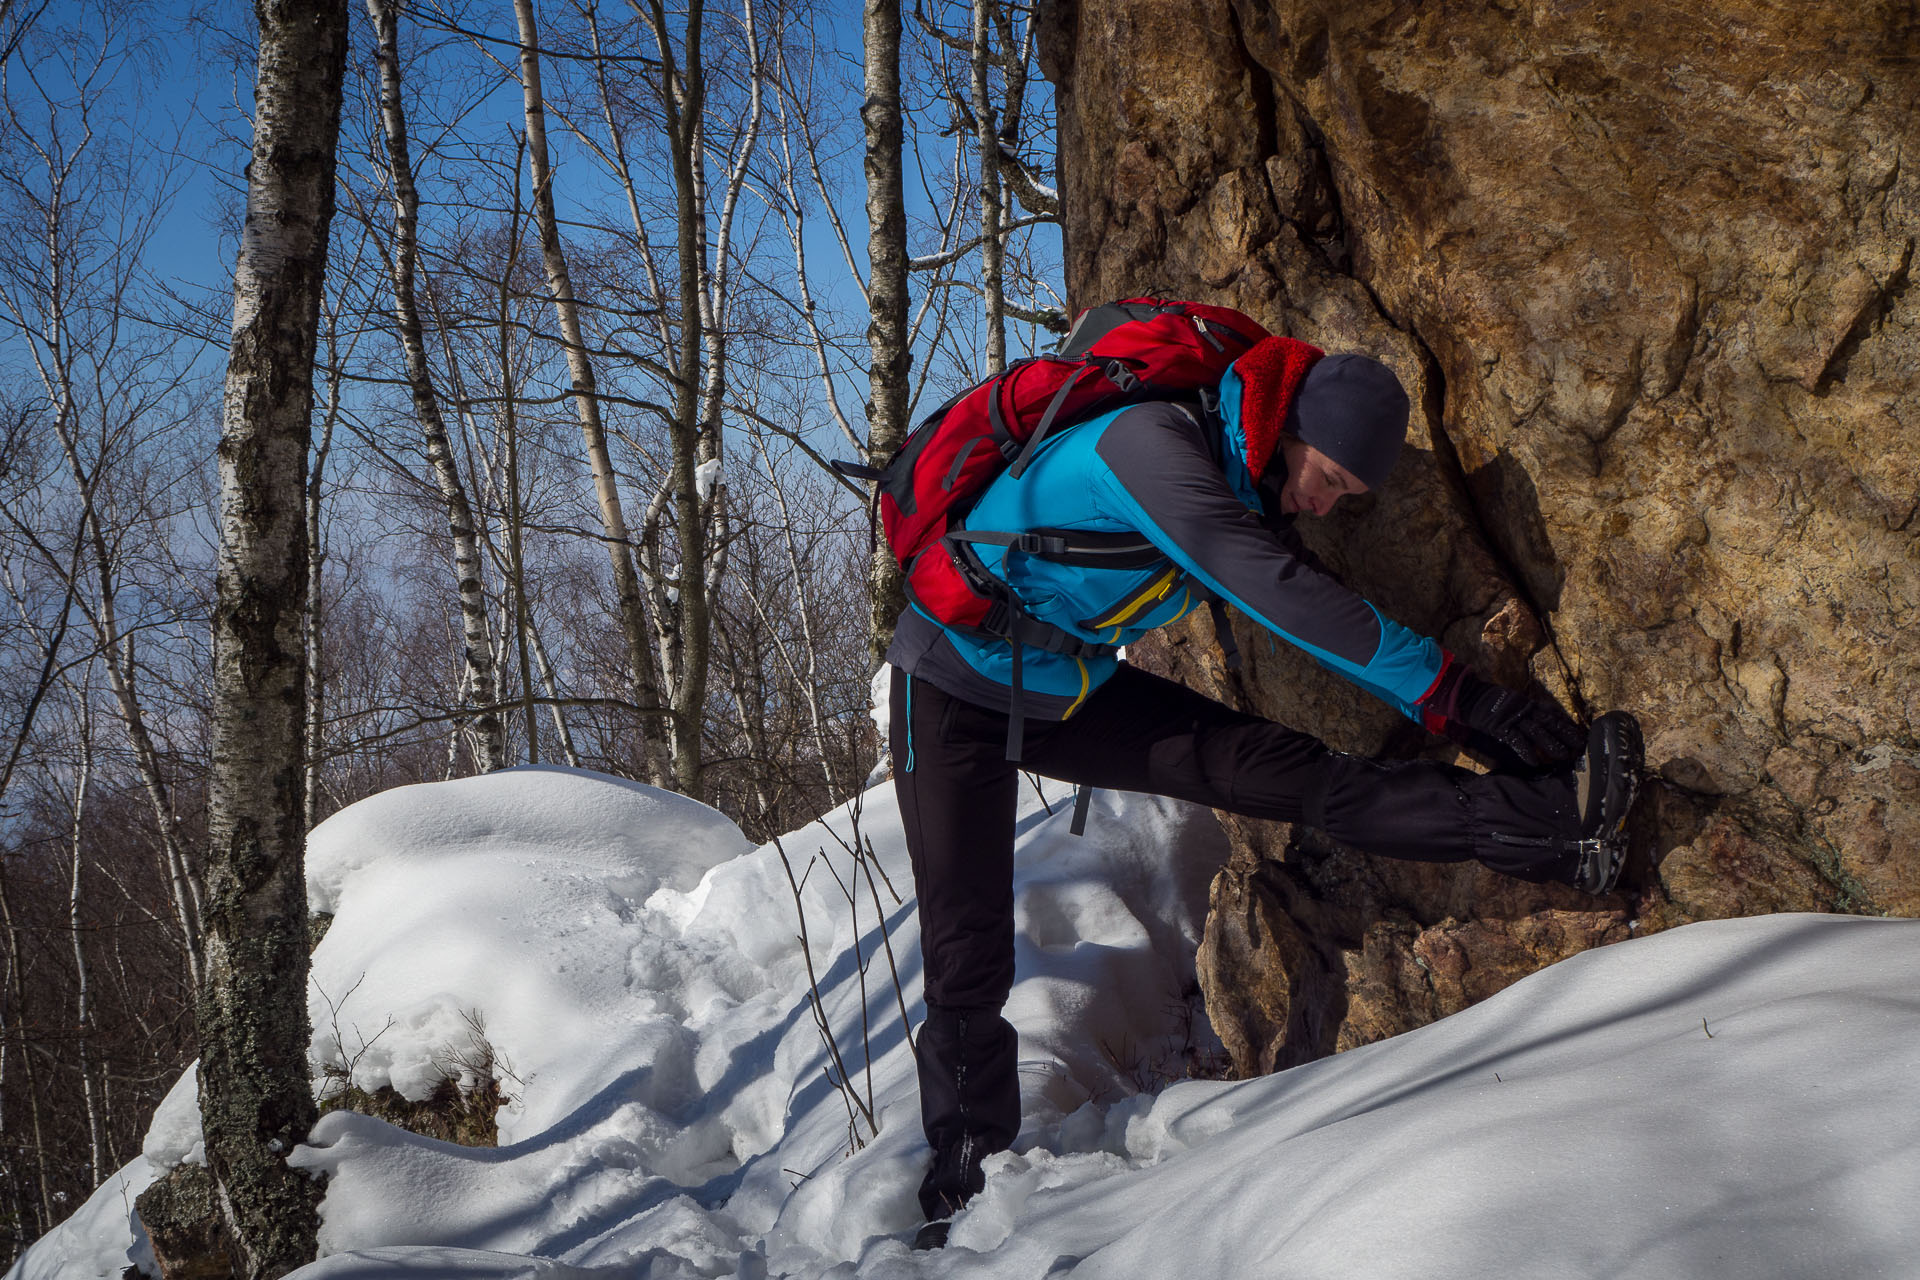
(255, 1097)
(887, 337)
(993, 245)
(626, 582)
(486, 735)
(82, 1000)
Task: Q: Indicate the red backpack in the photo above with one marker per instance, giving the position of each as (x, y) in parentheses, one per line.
(1121, 353)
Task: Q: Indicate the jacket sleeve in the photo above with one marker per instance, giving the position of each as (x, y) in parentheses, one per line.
(1160, 478)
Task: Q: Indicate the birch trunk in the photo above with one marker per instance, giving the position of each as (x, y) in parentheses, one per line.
(993, 248)
(82, 1000)
(256, 1102)
(626, 582)
(553, 696)
(516, 518)
(316, 581)
(887, 339)
(486, 735)
(682, 100)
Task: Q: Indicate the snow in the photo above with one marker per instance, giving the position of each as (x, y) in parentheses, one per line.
(173, 1137)
(508, 911)
(1723, 1099)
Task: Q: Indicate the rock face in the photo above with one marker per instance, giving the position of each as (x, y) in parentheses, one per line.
(181, 1214)
(1644, 271)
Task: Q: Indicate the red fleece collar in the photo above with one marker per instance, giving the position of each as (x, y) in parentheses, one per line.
(1270, 376)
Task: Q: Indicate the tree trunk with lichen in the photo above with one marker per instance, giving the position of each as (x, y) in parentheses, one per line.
(1645, 275)
(887, 337)
(256, 1099)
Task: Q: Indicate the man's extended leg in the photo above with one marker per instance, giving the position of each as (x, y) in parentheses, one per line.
(957, 800)
(1139, 732)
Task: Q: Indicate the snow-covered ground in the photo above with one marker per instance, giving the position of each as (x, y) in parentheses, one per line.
(1728, 1099)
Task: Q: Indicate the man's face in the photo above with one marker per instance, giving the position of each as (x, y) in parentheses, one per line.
(1314, 481)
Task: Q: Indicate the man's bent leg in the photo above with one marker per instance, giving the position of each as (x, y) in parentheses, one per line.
(957, 799)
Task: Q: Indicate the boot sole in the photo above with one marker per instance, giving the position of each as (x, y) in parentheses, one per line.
(1615, 744)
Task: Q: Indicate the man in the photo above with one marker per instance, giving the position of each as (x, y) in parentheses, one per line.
(1205, 496)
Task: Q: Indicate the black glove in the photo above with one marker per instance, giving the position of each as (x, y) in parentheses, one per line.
(1516, 732)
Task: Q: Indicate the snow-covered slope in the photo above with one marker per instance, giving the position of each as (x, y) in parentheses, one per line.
(1727, 1099)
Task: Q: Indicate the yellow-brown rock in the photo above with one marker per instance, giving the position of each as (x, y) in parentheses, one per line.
(1645, 273)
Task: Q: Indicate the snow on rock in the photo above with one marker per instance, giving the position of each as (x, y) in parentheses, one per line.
(502, 913)
(174, 1135)
(1726, 1099)
(638, 836)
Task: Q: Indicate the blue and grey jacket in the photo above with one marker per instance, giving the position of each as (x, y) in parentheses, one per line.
(1178, 478)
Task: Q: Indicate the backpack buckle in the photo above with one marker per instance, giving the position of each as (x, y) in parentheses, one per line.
(1035, 544)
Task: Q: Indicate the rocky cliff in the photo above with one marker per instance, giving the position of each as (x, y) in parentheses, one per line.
(1644, 269)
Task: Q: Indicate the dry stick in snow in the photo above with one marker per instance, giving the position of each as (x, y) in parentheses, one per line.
(860, 849)
(844, 1086)
(859, 961)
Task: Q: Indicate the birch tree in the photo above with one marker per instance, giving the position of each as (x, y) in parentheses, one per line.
(689, 294)
(255, 1098)
(480, 677)
(887, 338)
(584, 389)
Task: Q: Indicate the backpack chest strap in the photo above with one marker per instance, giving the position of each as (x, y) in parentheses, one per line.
(1080, 548)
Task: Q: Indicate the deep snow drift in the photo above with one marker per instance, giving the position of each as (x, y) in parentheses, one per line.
(1726, 1099)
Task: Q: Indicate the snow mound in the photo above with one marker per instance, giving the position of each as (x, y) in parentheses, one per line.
(497, 919)
(638, 835)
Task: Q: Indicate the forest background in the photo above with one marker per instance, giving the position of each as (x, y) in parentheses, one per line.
(588, 343)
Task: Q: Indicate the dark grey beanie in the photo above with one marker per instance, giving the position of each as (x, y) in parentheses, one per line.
(1352, 409)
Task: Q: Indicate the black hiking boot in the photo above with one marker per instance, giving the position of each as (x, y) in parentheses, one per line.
(933, 1235)
(1606, 779)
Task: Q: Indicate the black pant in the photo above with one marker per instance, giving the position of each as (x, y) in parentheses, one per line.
(1137, 732)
